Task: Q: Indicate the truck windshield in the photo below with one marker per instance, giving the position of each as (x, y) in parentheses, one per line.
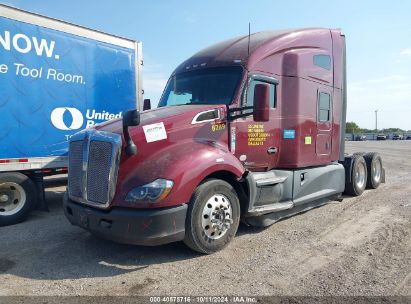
(207, 86)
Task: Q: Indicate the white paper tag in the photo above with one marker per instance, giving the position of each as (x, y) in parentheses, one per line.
(155, 132)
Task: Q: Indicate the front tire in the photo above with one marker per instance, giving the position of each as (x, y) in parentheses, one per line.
(213, 216)
(17, 197)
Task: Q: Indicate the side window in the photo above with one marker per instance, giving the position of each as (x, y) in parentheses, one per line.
(250, 93)
(324, 107)
(323, 61)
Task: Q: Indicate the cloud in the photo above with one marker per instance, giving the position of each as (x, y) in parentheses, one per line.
(190, 19)
(390, 94)
(185, 16)
(391, 89)
(406, 52)
(154, 82)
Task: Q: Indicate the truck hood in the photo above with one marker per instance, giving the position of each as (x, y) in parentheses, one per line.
(175, 114)
(168, 141)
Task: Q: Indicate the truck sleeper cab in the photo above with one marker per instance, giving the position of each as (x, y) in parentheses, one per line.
(251, 128)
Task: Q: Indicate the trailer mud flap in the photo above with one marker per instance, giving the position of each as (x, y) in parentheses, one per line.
(41, 197)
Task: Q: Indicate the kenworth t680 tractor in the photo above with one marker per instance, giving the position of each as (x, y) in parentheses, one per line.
(251, 129)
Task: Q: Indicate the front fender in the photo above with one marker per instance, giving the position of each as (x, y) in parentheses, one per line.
(185, 163)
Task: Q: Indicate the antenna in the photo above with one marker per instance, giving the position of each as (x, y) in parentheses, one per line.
(249, 37)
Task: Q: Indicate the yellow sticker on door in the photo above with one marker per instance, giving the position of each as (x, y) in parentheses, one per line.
(257, 136)
(308, 140)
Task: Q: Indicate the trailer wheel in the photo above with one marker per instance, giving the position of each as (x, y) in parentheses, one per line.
(374, 169)
(17, 198)
(213, 216)
(358, 176)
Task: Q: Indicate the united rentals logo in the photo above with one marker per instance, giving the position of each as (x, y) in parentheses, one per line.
(57, 118)
(60, 120)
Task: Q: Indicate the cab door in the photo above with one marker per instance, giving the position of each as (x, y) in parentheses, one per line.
(256, 144)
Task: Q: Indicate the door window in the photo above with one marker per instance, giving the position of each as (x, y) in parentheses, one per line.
(250, 93)
(324, 107)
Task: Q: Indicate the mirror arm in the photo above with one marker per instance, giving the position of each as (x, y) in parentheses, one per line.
(130, 148)
(231, 112)
(131, 118)
(234, 117)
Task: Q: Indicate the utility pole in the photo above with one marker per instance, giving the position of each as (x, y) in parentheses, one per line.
(376, 121)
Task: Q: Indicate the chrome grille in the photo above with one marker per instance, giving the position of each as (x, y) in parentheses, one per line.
(93, 165)
(75, 165)
(98, 172)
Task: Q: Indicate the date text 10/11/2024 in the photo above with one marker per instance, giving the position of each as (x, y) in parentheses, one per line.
(203, 299)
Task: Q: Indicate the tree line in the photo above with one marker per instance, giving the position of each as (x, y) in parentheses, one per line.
(352, 127)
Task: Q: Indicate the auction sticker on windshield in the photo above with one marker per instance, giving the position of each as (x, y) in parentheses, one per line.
(155, 132)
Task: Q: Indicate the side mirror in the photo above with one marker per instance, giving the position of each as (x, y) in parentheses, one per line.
(131, 118)
(146, 104)
(261, 102)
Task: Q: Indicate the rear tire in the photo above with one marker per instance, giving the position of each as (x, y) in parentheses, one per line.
(374, 169)
(358, 176)
(213, 216)
(17, 197)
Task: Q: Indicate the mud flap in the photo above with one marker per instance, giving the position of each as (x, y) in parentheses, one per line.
(41, 197)
(383, 176)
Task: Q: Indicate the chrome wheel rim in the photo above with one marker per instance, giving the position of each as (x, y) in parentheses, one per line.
(376, 171)
(360, 175)
(12, 198)
(216, 218)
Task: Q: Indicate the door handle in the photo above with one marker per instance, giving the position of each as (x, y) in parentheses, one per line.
(272, 150)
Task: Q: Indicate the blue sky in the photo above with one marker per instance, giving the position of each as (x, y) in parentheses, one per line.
(378, 39)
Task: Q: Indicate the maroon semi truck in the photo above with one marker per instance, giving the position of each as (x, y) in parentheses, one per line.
(251, 129)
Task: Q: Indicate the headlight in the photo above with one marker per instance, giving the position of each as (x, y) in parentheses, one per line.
(152, 192)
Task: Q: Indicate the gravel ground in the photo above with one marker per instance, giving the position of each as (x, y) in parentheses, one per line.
(360, 246)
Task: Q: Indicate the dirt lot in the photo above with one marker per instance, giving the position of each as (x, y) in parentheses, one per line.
(360, 246)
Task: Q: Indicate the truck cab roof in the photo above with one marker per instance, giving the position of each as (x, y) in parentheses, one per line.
(247, 50)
